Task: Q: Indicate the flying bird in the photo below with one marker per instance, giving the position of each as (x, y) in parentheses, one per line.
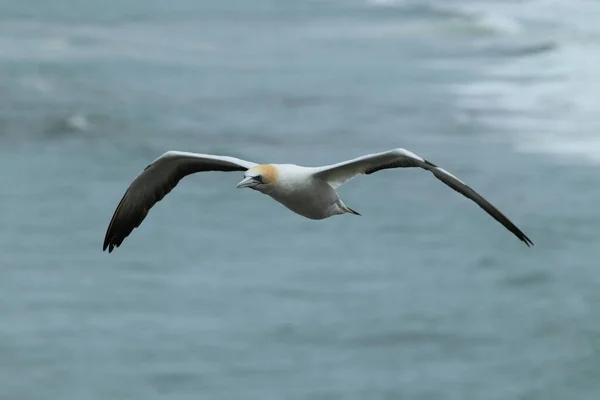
(307, 191)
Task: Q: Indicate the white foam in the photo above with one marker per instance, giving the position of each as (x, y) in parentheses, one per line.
(383, 2)
(575, 150)
(78, 122)
(498, 23)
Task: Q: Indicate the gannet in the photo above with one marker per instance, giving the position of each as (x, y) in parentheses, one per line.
(307, 191)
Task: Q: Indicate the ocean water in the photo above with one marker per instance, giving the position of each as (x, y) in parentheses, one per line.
(223, 293)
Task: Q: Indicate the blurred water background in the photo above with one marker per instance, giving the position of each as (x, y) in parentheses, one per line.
(225, 294)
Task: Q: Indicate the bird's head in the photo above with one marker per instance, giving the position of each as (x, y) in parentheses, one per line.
(261, 178)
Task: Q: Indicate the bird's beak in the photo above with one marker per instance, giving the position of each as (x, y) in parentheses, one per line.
(246, 182)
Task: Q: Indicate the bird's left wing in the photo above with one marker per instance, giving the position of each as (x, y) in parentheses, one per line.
(155, 181)
(340, 173)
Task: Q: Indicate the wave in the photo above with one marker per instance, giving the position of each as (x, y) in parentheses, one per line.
(548, 101)
(389, 19)
(27, 41)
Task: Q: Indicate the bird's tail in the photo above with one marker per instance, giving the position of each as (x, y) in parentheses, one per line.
(347, 209)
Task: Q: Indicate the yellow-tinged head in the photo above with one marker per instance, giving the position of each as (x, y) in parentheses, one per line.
(260, 177)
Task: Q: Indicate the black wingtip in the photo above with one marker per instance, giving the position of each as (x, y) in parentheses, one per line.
(108, 245)
(524, 238)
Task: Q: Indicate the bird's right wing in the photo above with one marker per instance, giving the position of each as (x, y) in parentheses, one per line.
(155, 181)
(340, 173)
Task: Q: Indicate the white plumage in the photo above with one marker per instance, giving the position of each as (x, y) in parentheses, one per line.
(307, 191)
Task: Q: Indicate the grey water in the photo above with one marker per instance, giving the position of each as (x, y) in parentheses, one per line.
(223, 293)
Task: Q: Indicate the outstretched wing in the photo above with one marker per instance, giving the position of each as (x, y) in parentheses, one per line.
(340, 173)
(155, 181)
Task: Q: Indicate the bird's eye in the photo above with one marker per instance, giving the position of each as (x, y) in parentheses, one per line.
(258, 178)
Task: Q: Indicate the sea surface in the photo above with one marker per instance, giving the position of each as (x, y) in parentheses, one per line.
(223, 293)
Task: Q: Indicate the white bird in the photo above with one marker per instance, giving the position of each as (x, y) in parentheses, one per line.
(307, 191)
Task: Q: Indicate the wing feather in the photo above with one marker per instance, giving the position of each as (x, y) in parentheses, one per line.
(155, 182)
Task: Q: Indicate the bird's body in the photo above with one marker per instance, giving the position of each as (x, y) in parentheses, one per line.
(303, 193)
(307, 191)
